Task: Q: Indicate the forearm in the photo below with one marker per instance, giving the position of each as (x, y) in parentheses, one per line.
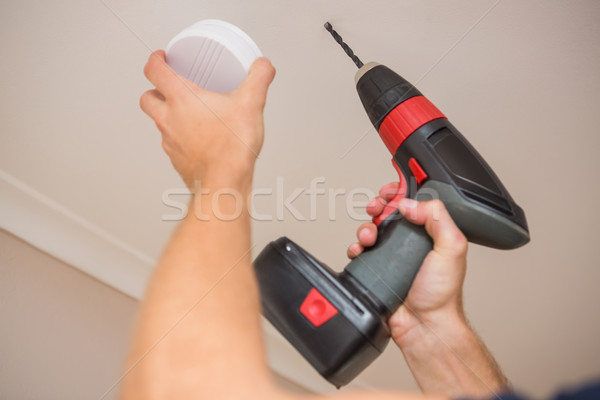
(199, 331)
(447, 357)
(199, 328)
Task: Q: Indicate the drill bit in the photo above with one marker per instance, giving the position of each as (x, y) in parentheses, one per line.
(346, 48)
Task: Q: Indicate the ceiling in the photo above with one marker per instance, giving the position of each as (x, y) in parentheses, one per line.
(82, 174)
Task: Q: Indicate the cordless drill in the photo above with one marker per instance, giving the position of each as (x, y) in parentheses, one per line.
(338, 321)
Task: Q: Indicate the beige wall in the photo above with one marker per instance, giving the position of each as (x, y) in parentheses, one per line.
(63, 334)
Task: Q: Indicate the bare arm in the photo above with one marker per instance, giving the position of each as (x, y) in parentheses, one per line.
(198, 333)
(442, 351)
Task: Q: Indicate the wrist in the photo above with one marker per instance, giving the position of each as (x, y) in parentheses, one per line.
(424, 330)
(412, 321)
(221, 195)
(221, 175)
(447, 357)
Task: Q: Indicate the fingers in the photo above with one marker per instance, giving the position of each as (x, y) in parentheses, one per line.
(168, 82)
(367, 236)
(447, 238)
(367, 232)
(375, 206)
(153, 104)
(254, 88)
(161, 75)
(354, 250)
(387, 192)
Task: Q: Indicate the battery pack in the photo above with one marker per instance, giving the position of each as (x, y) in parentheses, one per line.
(322, 313)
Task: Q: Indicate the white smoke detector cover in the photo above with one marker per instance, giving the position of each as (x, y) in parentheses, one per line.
(213, 54)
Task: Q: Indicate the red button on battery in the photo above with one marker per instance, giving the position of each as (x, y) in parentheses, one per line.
(317, 309)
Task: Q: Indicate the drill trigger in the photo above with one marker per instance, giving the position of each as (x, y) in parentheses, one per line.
(392, 205)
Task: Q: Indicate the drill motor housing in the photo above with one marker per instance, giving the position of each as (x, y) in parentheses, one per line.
(338, 321)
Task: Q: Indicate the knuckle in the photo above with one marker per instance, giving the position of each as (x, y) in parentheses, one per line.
(351, 251)
(165, 146)
(437, 204)
(457, 243)
(359, 229)
(142, 102)
(389, 188)
(161, 122)
(269, 68)
(461, 244)
(145, 101)
(148, 68)
(359, 232)
(265, 63)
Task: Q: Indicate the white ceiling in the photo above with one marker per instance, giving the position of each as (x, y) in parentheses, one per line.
(519, 79)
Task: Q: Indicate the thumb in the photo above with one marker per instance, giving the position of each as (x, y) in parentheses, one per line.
(255, 86)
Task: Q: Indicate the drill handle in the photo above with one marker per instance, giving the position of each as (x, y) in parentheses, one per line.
(387, 269)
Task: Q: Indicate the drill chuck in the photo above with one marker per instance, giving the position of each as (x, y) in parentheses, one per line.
(380, 90)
